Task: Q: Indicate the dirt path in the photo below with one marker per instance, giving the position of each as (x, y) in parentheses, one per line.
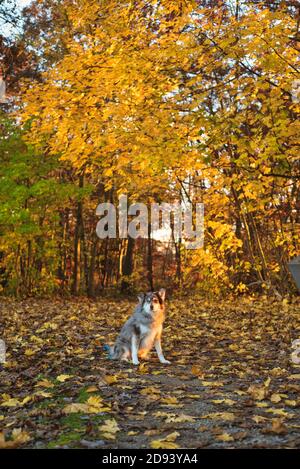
(231, 383)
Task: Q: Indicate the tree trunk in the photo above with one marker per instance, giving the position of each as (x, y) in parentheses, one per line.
(91, 280)
(128, 264)
(77, 237)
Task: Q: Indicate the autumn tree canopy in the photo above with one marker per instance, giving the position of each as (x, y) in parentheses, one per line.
(162, 101)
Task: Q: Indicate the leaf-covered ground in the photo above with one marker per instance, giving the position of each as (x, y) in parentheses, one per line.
(231, 383)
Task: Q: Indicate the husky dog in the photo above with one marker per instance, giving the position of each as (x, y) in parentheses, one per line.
(142, 329)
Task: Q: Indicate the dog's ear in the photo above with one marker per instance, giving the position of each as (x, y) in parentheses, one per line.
(162, 294)
(141, 297)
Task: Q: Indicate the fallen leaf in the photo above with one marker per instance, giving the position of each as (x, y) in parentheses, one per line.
(170, 400)
(110, 379)
(196, 371)
(109, 429)
(280, 412)
(291, 403)
(75, 407)
(95, 405)
(228, 416)
(259, 418)
(278, 427)
(212, 383)
(92, 389)
(180, 418)
(224, 437)
(30, 352)
(63, 378)
(275, 398)
(258, 393)
(45, 383)
(18, 438)
(229, 402)
(13, 402)
(166, 442)
(149, 391)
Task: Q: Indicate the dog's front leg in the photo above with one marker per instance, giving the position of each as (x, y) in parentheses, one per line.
(134, 349)
(157, 344)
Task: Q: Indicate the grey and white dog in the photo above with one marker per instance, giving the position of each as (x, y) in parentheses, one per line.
(142, 330)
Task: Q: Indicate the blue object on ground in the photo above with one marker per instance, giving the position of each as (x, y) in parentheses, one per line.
(107, 348)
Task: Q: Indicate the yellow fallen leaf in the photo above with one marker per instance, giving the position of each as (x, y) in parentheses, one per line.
(259, 418)
(228, 416)
(212, 383)
(233, 347)
(223, 401)
(76, 407)
(225, 437)
(172, 436)
(196, 371)
(29, 352)
(110, 379)
(43, 394)
(26, 399)
(92, 389)
(290, 402)
(162, 444)
(180, 418)
(240, 393)
(277, 371)
(170, 400)
(149, 391)
(143, 368)
(275, 398)
(151, 432)
(163, 414)
(261, 404)
(95, 404)
(165, 443)
(63, 378)
(13, 402)
(267, 382)
(109, 429)
(280, 412)
(258, 393)
(278, 427)
(45, 383)
(18, 438)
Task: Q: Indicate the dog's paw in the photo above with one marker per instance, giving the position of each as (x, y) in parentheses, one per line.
(165, 362)
(135, 362)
